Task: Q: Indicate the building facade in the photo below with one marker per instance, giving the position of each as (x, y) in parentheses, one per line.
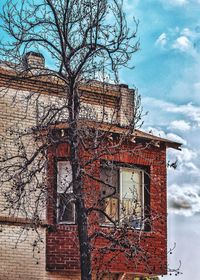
(130, 238)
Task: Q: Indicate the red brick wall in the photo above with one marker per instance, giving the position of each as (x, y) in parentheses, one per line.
(62, 250)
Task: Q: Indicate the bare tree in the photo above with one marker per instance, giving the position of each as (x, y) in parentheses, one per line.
(84, 41)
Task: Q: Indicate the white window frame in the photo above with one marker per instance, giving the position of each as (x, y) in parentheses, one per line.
(121, 169)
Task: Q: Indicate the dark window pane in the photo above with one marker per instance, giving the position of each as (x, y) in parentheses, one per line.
(109, 193)
(65, 200)
(66, 209)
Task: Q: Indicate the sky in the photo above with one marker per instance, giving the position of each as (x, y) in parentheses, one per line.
(168, 79)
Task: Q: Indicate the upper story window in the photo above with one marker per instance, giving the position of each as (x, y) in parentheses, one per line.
(124, 195)
(65, 197)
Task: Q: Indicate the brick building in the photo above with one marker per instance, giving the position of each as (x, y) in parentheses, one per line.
(141, 159)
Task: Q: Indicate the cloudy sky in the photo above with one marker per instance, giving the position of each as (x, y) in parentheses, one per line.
(167, 75)
(168, 78)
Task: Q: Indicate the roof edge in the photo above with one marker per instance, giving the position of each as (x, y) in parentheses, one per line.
(114, 128)
(169, 143)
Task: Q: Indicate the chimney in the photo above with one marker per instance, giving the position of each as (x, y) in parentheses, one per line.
(33, 60)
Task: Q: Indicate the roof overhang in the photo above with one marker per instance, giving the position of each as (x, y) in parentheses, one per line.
(116, 129)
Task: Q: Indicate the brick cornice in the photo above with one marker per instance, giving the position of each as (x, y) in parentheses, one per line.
(107, 95)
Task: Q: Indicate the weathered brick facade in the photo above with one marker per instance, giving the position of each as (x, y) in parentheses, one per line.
(62, 250)
(58, 256)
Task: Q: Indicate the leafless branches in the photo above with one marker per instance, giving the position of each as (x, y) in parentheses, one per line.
(83, 41)
(82, 38)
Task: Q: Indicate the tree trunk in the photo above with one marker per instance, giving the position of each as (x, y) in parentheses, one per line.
(81, 215)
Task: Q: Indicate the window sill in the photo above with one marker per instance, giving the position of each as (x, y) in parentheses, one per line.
(145, 233)
(121, 226)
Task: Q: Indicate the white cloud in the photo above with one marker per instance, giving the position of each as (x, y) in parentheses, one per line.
(174, 137)
(182, 39)
(187, 172)
(186, 155)
(184, 199)
(189, 111)
(182, 43)
(180, 125)
(188, 32)
(183, 191)
(162, 40)
(186, 160)
(170, 136)
(156, 131)
(192, 167)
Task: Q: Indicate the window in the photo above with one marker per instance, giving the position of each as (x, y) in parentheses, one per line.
(65, 197)
(124, 194)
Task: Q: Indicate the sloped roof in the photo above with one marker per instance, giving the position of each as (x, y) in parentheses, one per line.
(148, 136)
(135, 134)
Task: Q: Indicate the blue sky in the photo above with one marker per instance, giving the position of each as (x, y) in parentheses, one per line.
(168, 78)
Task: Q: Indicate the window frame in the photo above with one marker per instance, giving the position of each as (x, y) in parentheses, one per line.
(62, 159)
(121, 169)
(145, 169)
